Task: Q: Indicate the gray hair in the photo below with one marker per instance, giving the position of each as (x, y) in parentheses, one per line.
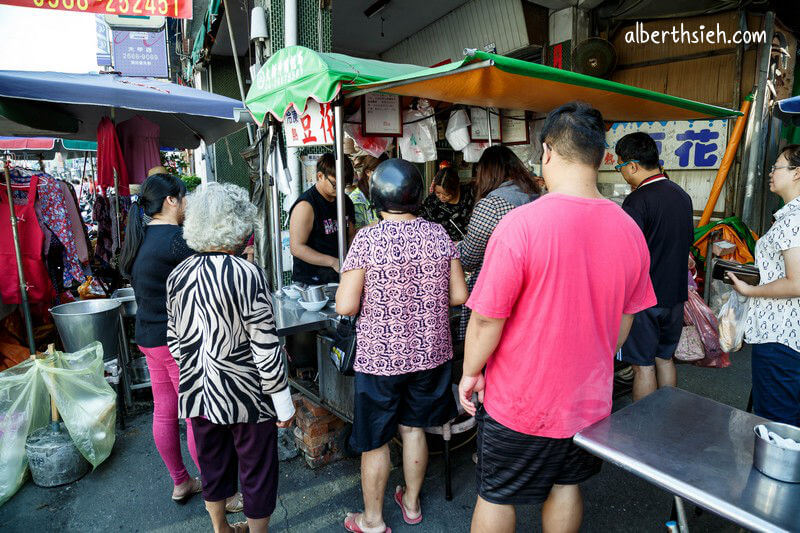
(218, 217)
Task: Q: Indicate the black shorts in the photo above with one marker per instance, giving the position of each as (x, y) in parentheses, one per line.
(419, 399)
(655, 333)
(516, 468)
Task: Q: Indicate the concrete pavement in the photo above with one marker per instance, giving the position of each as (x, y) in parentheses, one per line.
(131, 491)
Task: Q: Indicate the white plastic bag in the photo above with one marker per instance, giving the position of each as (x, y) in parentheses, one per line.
(457, 132)
(24, 408)
(374, 146)
(418, 143)
(732, 318)
(474, 151)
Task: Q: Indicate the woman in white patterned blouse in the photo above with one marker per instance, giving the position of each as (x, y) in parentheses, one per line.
(773, 320)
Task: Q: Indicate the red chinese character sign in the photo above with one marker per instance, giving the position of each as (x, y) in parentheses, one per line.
(312, 128)
(181, 9)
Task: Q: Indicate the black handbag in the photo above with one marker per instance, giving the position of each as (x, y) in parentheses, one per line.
(343, 348)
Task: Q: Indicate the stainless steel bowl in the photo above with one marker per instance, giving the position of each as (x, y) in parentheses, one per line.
(774, 461)
(127, 299)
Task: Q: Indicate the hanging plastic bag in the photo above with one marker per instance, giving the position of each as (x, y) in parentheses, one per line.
(732, 320)
(418, 143)
(85, 401)
(24, 408)
(699, 315)
(457, 132)
(374, 146)
(474, 151)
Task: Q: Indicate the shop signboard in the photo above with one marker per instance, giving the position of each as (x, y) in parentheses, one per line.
(313, 128)
(682, 144)
(103, 42)
(141, 54)
(181, 9)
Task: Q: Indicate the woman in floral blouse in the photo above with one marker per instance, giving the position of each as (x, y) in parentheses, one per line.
(773, 320)
(402, 275)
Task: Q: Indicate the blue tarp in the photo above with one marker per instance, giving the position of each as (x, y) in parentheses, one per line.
(184, 114)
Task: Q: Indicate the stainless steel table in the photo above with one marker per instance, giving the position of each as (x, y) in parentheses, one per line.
(700, 450)
(291, 318)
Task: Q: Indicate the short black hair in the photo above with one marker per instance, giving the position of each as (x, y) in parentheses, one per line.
(327, 165)
(639, 146)
(577, 132)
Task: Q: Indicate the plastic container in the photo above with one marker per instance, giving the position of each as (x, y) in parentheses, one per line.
(774, 461)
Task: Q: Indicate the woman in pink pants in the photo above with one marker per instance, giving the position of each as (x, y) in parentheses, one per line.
(153, 247)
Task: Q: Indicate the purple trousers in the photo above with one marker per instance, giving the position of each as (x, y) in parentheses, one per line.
(248, 452)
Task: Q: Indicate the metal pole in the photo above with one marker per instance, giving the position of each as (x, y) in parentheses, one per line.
(275, 213)
(92, 180)
(755, 157)
(26, 310)
(489, 124)
(236, 64)
(116, 213)
(338, 116)
(83, 177)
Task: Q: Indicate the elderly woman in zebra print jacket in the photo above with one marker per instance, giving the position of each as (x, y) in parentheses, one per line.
(233, 383)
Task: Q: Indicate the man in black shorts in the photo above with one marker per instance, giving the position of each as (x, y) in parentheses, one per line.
(663, 211)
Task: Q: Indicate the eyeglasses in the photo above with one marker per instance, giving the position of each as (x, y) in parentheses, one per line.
(773, 168)
(329, 180)
(619, 167)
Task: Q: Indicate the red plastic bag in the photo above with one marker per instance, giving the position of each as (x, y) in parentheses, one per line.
(696, 313)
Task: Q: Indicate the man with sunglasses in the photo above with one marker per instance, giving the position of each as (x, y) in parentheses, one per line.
(313, 226)
(663, 211)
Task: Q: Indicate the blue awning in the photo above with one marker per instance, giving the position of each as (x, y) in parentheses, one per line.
(185, 115)
(788, 108)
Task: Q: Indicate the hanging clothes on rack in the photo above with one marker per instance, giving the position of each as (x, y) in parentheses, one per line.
(109, 157)
(52, 210)
(78, 227)
(139, 139)
(107, 238)
(38, 284)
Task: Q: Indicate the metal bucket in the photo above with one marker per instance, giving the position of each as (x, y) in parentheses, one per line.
(128, 300)
(774, 461)
(140, 370)
(81, 323)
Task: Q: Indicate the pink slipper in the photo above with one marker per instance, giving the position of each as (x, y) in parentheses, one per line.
(398, 498)
(350, 524)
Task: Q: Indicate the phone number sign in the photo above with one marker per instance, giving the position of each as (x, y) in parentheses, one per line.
(165, 8)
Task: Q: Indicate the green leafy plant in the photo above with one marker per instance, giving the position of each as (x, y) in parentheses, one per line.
(191, 182)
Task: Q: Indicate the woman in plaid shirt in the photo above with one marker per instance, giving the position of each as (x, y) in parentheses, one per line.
(502, 184)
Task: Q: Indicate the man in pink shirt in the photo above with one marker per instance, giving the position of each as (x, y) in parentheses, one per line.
(555, 299)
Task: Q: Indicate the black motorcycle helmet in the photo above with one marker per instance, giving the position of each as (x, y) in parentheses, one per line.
(396, 187)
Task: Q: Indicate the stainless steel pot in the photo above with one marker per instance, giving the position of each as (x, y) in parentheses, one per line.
(141, 374)
(774, 461)
(82, 322)
(315, 293)
(127, 298)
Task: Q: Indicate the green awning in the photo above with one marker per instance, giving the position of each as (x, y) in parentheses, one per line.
(295, 74)
(79, 146)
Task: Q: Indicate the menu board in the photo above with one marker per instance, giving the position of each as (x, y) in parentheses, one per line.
(514, 124)
(479, 129)
(381, 115)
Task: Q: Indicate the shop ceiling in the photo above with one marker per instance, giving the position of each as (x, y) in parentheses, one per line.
(356, 34)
